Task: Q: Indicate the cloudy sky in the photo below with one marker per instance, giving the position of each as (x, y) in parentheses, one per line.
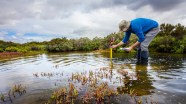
(39, 20)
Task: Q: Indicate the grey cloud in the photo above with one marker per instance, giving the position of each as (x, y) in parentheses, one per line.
(165, 4)
(182, 17)
(64, 16)
(81, 31)
(12, 10)
(157, 5)
(50, 9)
(33, 9)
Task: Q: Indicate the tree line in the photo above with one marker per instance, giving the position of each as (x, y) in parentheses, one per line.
(171, 39)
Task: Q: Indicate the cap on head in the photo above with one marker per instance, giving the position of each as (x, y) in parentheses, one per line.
(123, 25)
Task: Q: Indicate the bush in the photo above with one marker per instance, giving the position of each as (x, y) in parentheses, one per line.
(35, 48)
(23, 50)
(163, 44)
(1, 50)
(12, 49)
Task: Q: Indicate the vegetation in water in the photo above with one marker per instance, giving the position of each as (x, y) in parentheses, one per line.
(96, 87)
(12, 93)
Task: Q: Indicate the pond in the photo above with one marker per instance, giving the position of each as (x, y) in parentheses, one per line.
(161, 81)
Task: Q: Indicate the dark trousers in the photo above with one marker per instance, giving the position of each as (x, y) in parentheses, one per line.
(142, 56)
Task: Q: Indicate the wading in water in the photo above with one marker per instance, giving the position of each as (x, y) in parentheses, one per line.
(145, 29)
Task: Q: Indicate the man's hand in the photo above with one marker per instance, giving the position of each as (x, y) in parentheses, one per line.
(113, 46)
(119, 44)
(128, 49)
(132, 47)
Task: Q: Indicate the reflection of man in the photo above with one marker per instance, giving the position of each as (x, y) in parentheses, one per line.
(143, 83)
(141, 86)
(145, 29)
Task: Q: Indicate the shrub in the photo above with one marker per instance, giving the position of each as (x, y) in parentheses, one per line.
(23, 50)
(12, 49)
(164, 44)
(35, 48)
(1, 50)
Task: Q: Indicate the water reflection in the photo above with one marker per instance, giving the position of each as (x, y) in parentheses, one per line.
(168, 66)
(142, 84)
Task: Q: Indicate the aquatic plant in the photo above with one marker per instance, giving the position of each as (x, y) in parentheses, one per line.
(15, 90)
(18, 89)
(97, 90)
(86, 99)
(64, 95)
(36, 74)
(48, 75)
(9, 95)
(2, 97)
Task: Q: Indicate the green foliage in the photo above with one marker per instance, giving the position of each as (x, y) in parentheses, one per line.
(163, 44)
(23, 50)
(105, 42)
(1, 50)
(83, 44)
(12, 49)
(59, 45)
(35, 48)
(96, 42)
(4, 45)
(181, 46)
(170, 39)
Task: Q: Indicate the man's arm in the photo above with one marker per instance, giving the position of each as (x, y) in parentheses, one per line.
(140, 35)
(133, 46)
(124, 41)
(119, 44)
(141, 38)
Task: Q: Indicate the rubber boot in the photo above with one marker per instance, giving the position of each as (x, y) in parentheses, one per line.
(144, 57)
(138, 55)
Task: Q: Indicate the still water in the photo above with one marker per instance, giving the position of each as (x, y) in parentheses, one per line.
(162, 80)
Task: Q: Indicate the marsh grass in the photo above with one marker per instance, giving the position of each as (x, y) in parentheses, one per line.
(16, 90)
(97, 91)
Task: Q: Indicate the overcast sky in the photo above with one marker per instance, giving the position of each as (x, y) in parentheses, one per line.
(39, 20)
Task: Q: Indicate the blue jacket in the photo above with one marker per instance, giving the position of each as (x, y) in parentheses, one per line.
(139, 26)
